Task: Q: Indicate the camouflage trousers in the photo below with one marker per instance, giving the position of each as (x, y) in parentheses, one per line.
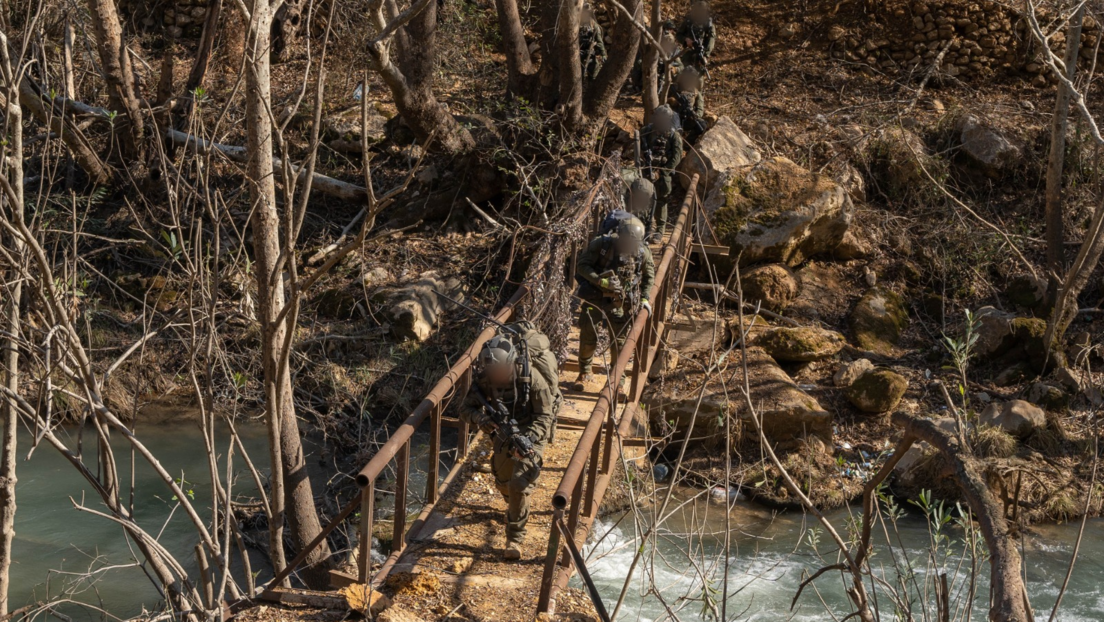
(615, 320)
(515, 480)
(664, 185)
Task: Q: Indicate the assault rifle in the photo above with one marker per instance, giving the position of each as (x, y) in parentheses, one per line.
(515, 440)
(695, 126)
(617, 291)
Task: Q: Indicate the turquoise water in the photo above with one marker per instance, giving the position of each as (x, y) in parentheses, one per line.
(54, 542)
(772, 553)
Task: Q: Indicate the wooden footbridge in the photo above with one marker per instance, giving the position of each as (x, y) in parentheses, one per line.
(458, 537)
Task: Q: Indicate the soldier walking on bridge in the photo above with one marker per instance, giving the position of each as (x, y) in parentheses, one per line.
(660, 155)
(615, 273)
(514, 397)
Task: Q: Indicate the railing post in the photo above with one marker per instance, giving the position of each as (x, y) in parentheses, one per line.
(433, 471)
(462, 439)
(544, 600)
(596, 458)
(367, 516)
(402, 471)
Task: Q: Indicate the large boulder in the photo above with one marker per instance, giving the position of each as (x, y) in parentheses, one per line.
(1027, 292)
(777, 211)
(773, 285)
(1015, 341)
(801, 344)
(1018, 418)
(414, 308)
(986, 148)
(787, 413)
(877, 391)
(898, 159)
(878, 320)
(724, 147)
(849, 372)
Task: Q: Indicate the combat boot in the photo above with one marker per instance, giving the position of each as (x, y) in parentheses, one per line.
(512, 552)
(581, 382)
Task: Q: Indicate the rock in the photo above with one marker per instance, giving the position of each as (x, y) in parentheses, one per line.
(375, 277)
(852, 181)
(994, 327)
(1018, 418)
(723, 148)
(1048, 396)
(836, 32)
(690, 337)
(366, 600)
(801, 344)
(413, 309)
(790, 30)
(878, 319)
(848, 373)
(779, 212)
(1013, 374)
(852, 247)
(787, 413)
(399, 614)
(1074, 381)
(1027, 292)
(899, 158)
(774, 285)
(342, 131)
(986, 148)
(1027, 336)
(877, 390)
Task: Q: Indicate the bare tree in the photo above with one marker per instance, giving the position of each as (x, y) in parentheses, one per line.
(116, 68)
(11, 159)
(1055, 228)
(413, 33)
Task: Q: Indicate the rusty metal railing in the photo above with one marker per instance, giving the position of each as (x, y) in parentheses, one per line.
(453, 384)
(580, 494)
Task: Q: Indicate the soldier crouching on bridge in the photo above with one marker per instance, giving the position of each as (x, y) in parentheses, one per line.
(514, 398)
(615, 274)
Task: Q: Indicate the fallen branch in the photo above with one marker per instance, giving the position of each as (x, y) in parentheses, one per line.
(323, 183)
(484, 215)
(1008, 595)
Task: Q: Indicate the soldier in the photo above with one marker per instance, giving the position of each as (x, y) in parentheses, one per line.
(660, 154)
(592, 43)
(698, 35)
(640, 199)
(515, 396)
(689, 103)
(615, 272)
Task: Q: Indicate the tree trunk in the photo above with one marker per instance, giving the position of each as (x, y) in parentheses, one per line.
(412, 85)
(570, 104)
(519, 64)
(83, 152)
(13, 122)
(115, 65)
(1055, 228)
(292, 497)
(1008, 595)
(651, 63)
(548, 82)
(602, 93)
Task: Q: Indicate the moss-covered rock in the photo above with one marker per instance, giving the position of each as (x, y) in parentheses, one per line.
(898, 159)
(777, 211)
(1048, 396)
(801, 344)
(877, 391)
(774, 285)
(1027, 335)
(878, 320)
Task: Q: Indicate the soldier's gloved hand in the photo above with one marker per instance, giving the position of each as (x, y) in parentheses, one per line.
(487, 424)
(647, 305)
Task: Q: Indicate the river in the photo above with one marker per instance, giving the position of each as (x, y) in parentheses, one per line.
(55, 543)
(771, 553)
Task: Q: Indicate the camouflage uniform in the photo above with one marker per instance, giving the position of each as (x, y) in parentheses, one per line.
(703, 39)
(661, 155)
(636, 274)
(592, 49)
(690, 106)
(516, 479)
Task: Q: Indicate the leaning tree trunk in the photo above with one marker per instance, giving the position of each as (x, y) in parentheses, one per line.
(116, 68)
(13, 129)
(602, 93)
(519, 63)
(1055, 227)
(292, 497)
(570, 104)
(411, 82)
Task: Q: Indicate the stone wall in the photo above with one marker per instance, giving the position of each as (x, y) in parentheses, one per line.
(184, 18)
(982, 39)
